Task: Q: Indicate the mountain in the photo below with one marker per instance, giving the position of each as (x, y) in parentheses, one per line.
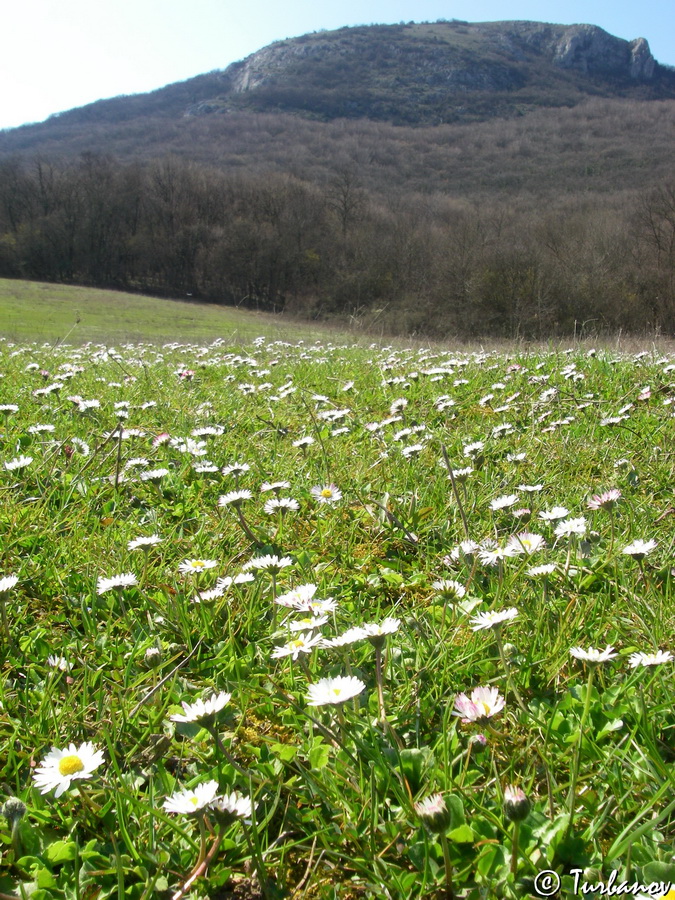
(505, 178)
(415, 74)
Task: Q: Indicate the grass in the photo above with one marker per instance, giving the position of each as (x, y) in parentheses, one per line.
(561, 764)
(53, 312)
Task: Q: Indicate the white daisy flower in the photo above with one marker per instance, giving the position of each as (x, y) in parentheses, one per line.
(526, 543)
(7, 583)
(551, 515)
(142, 543)
(195, 566)
(547, 569)
(126, 579)
(330, 493)
(60, 663)
(61, 767)
(153, 474)
(236, 469)
(19, 462)
(639, 549)
(281, 504)
(234, 498)
(592, 655)
(449, 589)
(333, 691)
(202, 710)
(299, 597)
(484, 703)
(503, 502)
(494, 619)
(187, 802)
(268, 563)
(232, 806)
(570, 527)
(649, 659)
(274, 486)
(303, 643)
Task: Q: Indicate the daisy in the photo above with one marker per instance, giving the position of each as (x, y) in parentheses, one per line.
(232, 806)
(60, 767)
(234, 498)
(299, 597)
(7, 583)
(570, 527)
(593, 656)
(526, 543)
(59, 662)
(19, 462)
(195, 566)
(334, 691)
(236, 469)
(639, 549)
(154, 475)
(604, 501)
(547, 569)
(484, 620)
(307, 623)
(376, 632)
(490, 554)
(649, 659)
(304, 442)
(434, 813)
(189, 802)
(303, 643)
(449, 589)
(558, 512)
(242, 578)
(202, 712)
(269, 563)
(144, 543)
(351, 636)
(274, 486)
(328, 494)
(484, 703)
(281, 504)
(126, 579)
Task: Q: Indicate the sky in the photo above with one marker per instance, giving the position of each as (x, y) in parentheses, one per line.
(60, 54)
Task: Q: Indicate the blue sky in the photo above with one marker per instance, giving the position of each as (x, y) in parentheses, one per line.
(58, 54)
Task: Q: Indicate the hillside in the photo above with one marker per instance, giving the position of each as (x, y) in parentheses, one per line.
(503, 178)
(415, 74)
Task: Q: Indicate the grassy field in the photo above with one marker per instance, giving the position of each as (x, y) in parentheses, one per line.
(311, 620)
(32, 311)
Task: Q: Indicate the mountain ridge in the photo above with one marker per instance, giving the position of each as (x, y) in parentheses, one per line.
(414, 74)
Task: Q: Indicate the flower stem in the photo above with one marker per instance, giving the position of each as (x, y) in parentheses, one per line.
(449, 890)
(571, 797)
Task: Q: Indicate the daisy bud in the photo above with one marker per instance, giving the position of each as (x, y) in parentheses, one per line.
(516, 804)
(14, 810)
(153, 657)
(434, 813)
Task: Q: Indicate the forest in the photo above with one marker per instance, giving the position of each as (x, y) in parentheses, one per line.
(546, 225)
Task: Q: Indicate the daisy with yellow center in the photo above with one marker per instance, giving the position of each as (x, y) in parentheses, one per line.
(329, 493)
(194, 566)
(61, 767)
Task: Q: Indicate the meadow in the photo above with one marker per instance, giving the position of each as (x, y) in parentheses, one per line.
(300, 618)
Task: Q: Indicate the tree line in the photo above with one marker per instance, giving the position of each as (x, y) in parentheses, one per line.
(331, 247)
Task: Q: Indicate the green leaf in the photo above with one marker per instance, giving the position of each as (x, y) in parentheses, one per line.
(285, 752)
(461, 835)
(61, 851)
(319, 756)
(658, 871)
